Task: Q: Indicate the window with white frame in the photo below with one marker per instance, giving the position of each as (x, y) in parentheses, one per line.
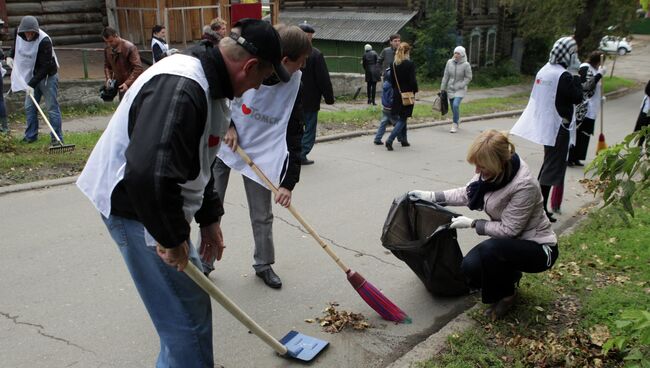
(493, 6)
(475, 7)
(491, 46)
(475, 47)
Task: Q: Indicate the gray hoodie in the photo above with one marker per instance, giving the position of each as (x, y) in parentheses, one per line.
(457, 75)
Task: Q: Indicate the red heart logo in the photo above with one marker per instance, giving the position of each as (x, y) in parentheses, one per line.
(245, 109)
(213, 141)
(538, 81)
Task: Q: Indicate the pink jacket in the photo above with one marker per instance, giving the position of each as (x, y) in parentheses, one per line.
(516, 210)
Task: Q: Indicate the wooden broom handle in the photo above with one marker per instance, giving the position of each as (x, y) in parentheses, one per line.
(45, 118)
(602, 93)
(293, 211)
(209, 287)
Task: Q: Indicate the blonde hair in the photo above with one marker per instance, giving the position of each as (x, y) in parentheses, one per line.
(402, 53)
(492, 151)
(294, 40)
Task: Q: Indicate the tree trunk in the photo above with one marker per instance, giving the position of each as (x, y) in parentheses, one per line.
(584, 22)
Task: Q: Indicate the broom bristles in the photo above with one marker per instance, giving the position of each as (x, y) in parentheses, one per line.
(601, 143)
(376, 299)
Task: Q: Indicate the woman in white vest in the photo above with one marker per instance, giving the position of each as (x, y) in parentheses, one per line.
(159, 47)
(34, 70)
(271, 133)
(548, 117)
(590, 73)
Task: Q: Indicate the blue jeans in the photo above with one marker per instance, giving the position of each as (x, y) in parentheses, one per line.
(3, 111)
(455, 108)
(309, 138)
(399, 131)
(386, 118)
(48, 88)
(179, 308)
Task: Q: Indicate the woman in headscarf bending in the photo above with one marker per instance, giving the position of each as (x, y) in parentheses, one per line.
(548, 117)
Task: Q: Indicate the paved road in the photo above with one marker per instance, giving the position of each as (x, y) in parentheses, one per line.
(66, 299)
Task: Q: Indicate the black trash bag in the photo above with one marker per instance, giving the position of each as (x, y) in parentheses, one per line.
(444, 102)
(418, 233)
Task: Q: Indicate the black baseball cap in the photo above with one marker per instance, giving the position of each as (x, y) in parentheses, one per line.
(260, 39)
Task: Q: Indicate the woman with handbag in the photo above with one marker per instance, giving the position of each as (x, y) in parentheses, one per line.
(458, 74)
(405, 86)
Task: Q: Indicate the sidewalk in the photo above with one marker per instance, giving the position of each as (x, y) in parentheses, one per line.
(99, 122)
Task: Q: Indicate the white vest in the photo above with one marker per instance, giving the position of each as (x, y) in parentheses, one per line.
(540, 121)
(25, 59)
(163, 46)
(593, 104)
(261, 117)
(106, 165)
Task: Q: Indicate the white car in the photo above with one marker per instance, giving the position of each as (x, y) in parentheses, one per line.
(613, 44)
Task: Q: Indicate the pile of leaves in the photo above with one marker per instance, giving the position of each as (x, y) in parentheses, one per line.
(337, 320)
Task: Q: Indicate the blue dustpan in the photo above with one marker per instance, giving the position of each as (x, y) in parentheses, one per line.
(293, 345)
(302, 347)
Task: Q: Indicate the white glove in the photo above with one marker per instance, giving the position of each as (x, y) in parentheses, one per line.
(604, 99)
(423, 195)
(29, 90)
(461, 222)
(10, 62)
(602, 70)
(171, 52)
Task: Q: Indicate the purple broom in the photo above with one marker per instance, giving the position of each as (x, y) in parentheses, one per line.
(370, 294)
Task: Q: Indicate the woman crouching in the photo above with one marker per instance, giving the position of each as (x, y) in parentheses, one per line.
(521, 237)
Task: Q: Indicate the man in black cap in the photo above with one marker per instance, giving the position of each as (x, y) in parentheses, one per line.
(316, 83)
(150, 175)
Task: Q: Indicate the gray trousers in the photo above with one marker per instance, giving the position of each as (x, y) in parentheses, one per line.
(260, 212)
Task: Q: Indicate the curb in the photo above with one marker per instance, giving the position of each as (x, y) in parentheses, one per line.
(41, 184)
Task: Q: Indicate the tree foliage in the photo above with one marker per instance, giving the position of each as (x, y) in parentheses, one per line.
(587, 20)
(434, 41)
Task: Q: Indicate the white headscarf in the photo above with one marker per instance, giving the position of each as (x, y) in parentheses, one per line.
(463, 54)
(367, 47)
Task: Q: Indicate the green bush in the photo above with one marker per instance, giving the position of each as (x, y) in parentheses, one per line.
(7, 143)
(503, 73)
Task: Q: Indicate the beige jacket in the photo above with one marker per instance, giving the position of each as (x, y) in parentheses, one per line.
(516, 210)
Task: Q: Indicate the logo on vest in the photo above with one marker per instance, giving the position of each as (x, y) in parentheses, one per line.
(213, 141)
(542, 82)
(245, 109)
(255, 114)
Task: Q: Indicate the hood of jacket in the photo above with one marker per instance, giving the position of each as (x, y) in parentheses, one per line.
(462, 52)
(27, 24)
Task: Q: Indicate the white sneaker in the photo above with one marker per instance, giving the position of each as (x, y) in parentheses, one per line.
(454, 128)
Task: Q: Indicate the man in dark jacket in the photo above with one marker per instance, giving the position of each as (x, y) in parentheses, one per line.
(121, 60)
(34, 70)
(150, 176)
(387, 55)
(316, 83)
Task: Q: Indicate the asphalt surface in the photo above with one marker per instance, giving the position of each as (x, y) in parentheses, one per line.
(67, 300)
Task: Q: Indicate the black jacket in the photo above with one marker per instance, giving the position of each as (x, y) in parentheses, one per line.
(316, 82)
(157, 52)
(371, 66)
(45, 63)
(166, 122)
(405, 73)
(569, 93)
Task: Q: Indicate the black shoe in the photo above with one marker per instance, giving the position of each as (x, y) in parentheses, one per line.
(570, 163)
(406, 144)
(389, 146)
(379, 143)
(306, 161)
(578, 163)
(270, 278)
(550, 217)
(25, 140)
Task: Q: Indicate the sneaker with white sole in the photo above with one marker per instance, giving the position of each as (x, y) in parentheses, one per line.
(454, 128)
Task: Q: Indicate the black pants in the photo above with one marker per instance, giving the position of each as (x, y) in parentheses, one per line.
(371, 90)
(494, 265)
(583, 133)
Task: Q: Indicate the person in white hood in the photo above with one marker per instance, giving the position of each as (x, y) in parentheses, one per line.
(458, 74)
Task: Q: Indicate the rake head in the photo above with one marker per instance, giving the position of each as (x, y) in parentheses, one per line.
(61, 148)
